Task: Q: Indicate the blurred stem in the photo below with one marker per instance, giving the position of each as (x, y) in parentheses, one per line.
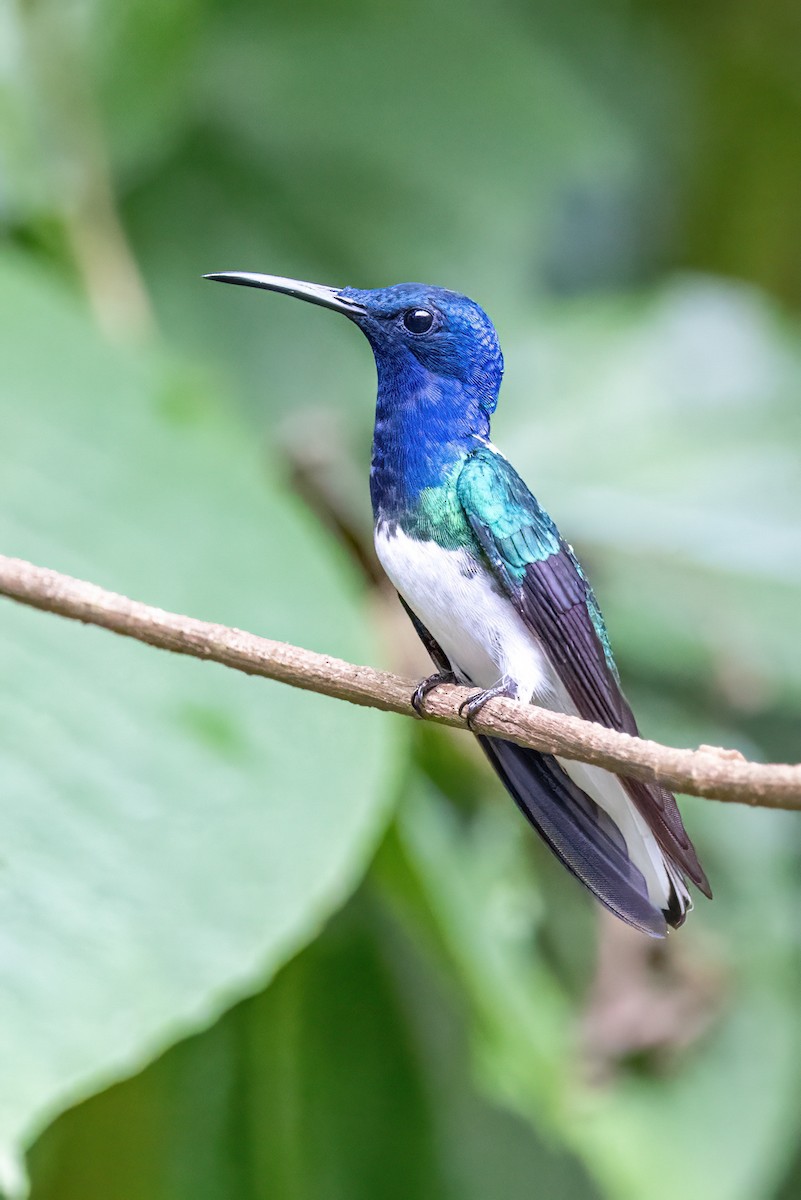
(708, 771)
(107, 268)
(80, 171)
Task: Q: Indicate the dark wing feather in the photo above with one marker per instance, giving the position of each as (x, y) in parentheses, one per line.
(541, 575)
(581, 835)
(553, 599)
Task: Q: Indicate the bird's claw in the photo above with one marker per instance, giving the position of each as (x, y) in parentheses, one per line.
(427, 685)
(473, 705)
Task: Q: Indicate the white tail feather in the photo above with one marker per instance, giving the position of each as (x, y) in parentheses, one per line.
(665, 883)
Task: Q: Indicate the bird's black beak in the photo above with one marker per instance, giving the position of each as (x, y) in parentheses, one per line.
(315, 293)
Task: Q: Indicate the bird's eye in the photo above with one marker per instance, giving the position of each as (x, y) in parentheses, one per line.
(418, 320)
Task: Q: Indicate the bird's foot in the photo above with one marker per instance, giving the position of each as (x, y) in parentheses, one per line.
(473, 705)
(428, 685)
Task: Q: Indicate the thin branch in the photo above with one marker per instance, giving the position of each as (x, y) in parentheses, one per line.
(714, 773)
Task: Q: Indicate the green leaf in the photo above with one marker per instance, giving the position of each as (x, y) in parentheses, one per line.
(346, 1080)
(309, 1091)
(171, 831)
(475, 881)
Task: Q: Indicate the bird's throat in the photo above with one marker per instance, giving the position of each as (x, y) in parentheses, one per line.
(425, 426)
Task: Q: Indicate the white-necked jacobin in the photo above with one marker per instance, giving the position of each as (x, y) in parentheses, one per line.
(496, 594)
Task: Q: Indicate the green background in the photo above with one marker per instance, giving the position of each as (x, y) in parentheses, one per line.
(256, 943)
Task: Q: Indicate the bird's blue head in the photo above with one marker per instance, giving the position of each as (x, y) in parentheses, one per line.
(439, 370)
(413, 327)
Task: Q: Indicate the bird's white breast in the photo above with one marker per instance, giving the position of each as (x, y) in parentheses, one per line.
(478, 628)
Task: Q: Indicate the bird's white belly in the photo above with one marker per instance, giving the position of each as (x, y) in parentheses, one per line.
(485, 638)
(478, 628)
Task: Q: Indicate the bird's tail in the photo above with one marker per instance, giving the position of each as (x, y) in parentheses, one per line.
(588, 840)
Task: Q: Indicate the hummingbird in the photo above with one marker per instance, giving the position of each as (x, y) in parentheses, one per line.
(495, 593)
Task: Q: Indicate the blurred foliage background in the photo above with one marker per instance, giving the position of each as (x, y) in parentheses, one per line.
(257, 944)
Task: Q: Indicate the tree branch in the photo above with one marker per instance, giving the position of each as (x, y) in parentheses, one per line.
(714, 773)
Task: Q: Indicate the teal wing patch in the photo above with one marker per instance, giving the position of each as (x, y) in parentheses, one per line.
(516, 533)
(509, 523)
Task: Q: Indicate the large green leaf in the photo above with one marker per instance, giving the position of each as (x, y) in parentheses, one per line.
(310, 1091)
(171, 831)
(346, 1080)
